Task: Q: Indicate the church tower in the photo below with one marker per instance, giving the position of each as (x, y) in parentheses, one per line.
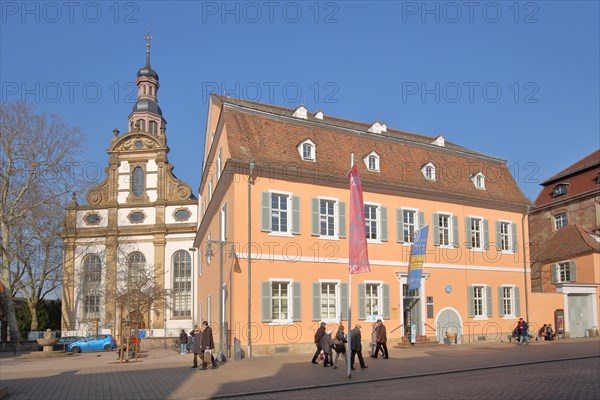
(140, 222)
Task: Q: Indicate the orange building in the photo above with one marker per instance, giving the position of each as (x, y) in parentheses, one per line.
(276, 178)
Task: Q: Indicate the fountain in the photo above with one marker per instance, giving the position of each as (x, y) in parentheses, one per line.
(48, 341)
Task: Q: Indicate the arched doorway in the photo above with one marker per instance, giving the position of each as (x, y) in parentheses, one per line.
(448, 321)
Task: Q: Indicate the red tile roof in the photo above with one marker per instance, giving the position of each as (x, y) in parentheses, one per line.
(580, 178)
(269, 135)
(567, 243)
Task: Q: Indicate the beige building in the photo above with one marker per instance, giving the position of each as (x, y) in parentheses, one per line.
(128, 254)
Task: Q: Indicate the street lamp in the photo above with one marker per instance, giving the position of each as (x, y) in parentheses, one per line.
(209, 253)
(193, 294)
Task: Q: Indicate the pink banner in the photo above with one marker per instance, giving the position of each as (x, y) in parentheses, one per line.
(359, 256)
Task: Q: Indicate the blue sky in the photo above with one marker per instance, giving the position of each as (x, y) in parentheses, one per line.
(516, 80)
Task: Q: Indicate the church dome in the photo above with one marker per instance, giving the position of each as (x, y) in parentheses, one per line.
(147, 105)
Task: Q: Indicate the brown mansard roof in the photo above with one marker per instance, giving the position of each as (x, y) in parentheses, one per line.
(580, 178)
(269, 135)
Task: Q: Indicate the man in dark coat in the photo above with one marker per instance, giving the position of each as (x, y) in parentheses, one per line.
(356, 347)
(208, 344)
(196, 345)
(522, 327)
(381, 341)
(318, 336)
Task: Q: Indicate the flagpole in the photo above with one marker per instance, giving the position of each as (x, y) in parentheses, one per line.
(349, 351)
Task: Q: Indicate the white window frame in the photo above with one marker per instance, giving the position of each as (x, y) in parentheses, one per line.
(481, 232)
(290, 300)
(209, 237)
(223, 222)
(379, 297)
(336, 228)
(562, 217)
(377, 206)
(376, 161)
(562, 270)
(511, 299)
(415, 224)
(429, 167)
(508, 239)
(288, 231)
(484, 305)
(450, 229)
(479, 181)
(210, 189)
(313, 150)
(337, 300)
(219, 164)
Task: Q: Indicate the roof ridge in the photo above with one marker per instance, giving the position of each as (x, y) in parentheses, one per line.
(575, 168)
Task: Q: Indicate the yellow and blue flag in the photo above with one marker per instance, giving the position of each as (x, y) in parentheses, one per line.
(417, 256)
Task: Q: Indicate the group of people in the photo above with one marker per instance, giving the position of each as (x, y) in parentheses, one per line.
(547, 332)
(202, 344)
(327, 344)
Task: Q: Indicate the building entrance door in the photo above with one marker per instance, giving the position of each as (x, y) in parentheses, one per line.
(412, 306)
(448, 322)
(580, 314)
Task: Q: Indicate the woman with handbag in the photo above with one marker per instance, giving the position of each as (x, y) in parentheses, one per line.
(340, 346)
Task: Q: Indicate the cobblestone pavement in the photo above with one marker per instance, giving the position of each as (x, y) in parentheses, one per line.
(164, 374)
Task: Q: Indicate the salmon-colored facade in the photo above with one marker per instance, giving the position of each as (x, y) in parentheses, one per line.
(475, 278)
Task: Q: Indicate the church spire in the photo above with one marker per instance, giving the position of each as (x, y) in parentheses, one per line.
(146, 115)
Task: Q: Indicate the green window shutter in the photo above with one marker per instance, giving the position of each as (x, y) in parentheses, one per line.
(468, 233)
(296, 215)
(265, 212)
(488, 301)
(314, 225)
(554, 273)
(386, 301)
(498, 236)
(572, 271)
(486, 235)
(384, 224)
(471, 299)
(316, 303)
(501, 301)
(297, 311)
(399, 226)
(436, 229)
(342, 219)
(513, 230)
(362, 306)
(265, 294)
(344, 301)
(455, 241)
(421, 219)
(517, 302)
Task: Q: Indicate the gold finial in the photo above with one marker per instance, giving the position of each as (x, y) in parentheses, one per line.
(148, 38)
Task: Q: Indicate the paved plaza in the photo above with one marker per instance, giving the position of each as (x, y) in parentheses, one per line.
(491, 370)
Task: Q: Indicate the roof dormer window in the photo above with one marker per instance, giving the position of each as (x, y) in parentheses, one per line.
(377, 127)
(372, 161)
(439, 141)
(560, 189)
(307, 150)
(300, 112)
(428, 171)
(318, 115)
(479, 181)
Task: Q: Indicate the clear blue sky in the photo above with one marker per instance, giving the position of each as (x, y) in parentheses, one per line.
(517, 80)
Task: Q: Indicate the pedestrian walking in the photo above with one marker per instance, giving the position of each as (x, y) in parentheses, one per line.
(208, 345)
(196, 345)
(381, 341)
(522, 327)
(340, 347)
(326, 346)
(318, 336)
(183, 340)
(356, 347)
(373, 338)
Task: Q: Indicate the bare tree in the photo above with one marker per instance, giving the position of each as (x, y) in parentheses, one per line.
(37, 153)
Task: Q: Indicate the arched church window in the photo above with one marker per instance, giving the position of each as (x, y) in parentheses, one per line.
(144, 89)
(151, 90)
(153, 127)
(182, 284)
(136, 264)
(92, 279)
(142, 124)
(137, 181)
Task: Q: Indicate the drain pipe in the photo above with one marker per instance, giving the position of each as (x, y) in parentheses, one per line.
(525, 263)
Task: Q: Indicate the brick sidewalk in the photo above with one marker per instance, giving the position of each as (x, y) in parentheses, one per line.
(166, 374)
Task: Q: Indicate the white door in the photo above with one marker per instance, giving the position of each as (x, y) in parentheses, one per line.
(580, 314)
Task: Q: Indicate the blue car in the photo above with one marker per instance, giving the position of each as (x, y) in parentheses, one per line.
(93, 343)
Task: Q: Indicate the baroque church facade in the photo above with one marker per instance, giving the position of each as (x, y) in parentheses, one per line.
(128, 255)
